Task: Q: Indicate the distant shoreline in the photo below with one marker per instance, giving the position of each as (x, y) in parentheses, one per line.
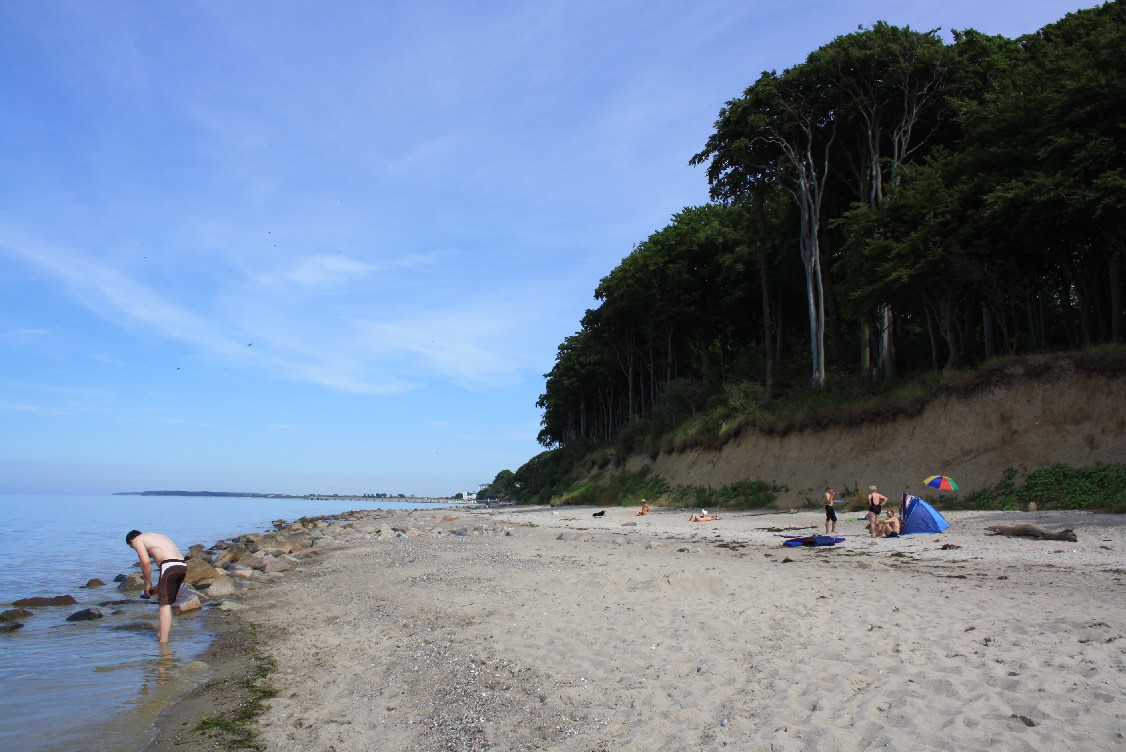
(311, 497)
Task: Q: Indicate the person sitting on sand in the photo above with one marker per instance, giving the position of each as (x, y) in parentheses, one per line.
(644, 509)
(889, 527)
(703, 516)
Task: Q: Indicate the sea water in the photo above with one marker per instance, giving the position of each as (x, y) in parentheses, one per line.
(99, 684)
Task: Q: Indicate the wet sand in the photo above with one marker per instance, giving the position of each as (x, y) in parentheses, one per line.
(551, 629)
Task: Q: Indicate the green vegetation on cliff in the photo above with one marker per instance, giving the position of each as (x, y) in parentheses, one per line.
(595, 474)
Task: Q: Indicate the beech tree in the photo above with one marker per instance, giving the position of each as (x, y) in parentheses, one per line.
(781, 131)
(888, 84)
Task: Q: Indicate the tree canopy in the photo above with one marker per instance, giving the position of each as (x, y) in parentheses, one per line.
(894, 203)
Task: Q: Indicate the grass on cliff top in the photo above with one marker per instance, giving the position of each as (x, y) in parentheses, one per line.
(845, 400)
(1097, 488)
(630, 488)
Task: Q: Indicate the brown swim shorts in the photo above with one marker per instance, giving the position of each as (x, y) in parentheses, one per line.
(172, 573)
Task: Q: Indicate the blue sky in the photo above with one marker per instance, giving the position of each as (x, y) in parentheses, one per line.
(332, 247)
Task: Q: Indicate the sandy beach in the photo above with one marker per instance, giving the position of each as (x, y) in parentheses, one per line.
(536, 628)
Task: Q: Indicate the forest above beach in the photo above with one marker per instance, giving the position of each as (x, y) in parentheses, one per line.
(893, 220)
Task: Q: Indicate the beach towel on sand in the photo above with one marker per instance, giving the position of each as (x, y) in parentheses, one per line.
(813, 540)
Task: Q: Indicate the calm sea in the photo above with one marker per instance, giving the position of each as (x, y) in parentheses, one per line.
(99, 685)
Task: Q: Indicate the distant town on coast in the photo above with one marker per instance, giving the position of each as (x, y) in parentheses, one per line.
(460, 496)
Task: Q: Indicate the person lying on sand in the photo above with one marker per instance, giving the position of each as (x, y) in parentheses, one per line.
(703, 516)
(644, 509)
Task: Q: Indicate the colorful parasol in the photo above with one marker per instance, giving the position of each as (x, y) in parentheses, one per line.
(941, 482)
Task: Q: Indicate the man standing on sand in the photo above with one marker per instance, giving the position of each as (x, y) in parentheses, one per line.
(168, 558)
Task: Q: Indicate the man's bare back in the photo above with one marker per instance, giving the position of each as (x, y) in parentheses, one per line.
(159, 547)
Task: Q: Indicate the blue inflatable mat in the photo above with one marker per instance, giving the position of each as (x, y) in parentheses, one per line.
(813, 540)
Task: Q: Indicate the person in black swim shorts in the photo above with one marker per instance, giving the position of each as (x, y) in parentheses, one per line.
(830, 512)
(160, 549)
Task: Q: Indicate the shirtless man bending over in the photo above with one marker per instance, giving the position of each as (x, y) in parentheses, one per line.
(170, 561)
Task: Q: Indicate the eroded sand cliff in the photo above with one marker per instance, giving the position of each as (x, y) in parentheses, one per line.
(1061, 415)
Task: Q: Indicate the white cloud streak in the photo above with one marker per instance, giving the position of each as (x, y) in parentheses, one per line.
(311, 321)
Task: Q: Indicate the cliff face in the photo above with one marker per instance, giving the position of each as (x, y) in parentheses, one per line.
(1062, 416)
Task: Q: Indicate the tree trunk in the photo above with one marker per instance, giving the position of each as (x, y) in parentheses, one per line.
(933, 338)
(949, 328)
(1116, 297)
(865, 349)
(1067, 313)
(764, 284)
(887, 343)
(987, 331)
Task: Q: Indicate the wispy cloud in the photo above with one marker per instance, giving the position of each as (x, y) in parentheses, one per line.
(48, 399)
(310, 321)
(320, 271)
(25, 407)
(21, 337)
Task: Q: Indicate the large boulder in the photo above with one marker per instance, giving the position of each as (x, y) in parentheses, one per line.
(230, 606)
(14, 614)
(132, 583)
(255, 560)
(10, 626)
(276, 565)
(224, 586)
(299, 543)
(231, 555)
(248, 575)
(202, 573)
(86, 614)
(187, 591)
(275, 543)
(184, 606)
(39, 601)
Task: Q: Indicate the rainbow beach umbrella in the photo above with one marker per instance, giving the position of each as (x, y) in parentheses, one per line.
(941, 482)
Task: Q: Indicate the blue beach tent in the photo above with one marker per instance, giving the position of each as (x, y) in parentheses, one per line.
(921, 517)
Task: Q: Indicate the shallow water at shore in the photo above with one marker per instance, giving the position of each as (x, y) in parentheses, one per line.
(99, 685)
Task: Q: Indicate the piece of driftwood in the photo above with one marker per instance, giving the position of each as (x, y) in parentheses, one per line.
(1031, 531)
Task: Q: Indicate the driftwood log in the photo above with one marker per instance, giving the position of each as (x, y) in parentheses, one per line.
(1031, 531)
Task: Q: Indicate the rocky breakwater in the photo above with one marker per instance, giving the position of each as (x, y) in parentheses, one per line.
(216, 576)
